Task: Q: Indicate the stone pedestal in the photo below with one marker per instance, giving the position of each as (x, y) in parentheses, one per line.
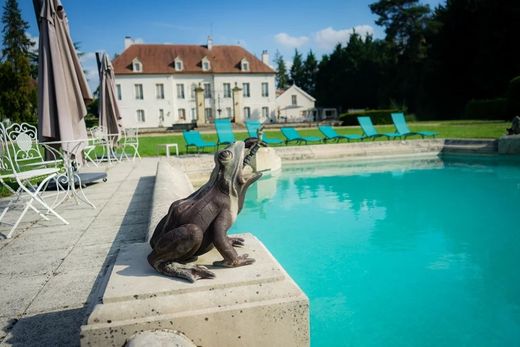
(255, 305)
(509, 144)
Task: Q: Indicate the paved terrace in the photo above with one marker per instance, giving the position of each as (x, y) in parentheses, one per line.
(52, 274)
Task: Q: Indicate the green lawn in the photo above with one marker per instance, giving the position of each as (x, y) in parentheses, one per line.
(150, 145)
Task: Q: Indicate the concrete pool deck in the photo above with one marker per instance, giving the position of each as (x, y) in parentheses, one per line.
(52, 275)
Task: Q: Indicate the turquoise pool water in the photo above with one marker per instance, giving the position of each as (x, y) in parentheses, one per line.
(411, 253)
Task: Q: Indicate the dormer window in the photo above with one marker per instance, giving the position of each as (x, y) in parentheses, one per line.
(137, 66)
(206, 66)
(179, 65)
(244, 65)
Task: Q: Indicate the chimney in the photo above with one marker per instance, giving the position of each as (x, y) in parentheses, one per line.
(128, 41)
(265, 57)
(210, 43)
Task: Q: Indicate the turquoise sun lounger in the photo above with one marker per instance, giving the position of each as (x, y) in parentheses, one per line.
(331, 134)
(402, 127)
(224, 131)
(193, 139)
(371, 132)
(252, 129)
(291, 134)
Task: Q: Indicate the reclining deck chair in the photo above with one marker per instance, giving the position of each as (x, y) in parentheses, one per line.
(252, 130)
(371, 132)
(224, 132)
(402, 127)
(331, 134)
(193, 139)
(291, 134)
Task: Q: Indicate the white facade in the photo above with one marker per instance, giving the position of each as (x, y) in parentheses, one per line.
(295, 105)
(169, 108)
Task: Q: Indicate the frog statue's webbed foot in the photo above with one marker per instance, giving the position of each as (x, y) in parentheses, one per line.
(241, 260)
(189, 272)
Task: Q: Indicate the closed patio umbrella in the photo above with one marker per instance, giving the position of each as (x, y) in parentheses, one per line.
(109, 116)
(62, 86)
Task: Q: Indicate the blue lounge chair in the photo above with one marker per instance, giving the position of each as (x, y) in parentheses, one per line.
(292, 134)
(193, 139)
(402, 127)
(331, 134)
(370, 131)
(224, 131)
(252, 129)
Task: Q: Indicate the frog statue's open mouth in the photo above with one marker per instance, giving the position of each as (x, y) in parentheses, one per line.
(232, 168)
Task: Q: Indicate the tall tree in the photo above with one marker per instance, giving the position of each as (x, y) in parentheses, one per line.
(17, 88)
(353, 76)
(310, 69)
(406, 24)
(297, 72)
(471, 52)
(282, 78)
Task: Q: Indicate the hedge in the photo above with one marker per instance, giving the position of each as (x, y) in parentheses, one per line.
(377, 116)
(492, 109)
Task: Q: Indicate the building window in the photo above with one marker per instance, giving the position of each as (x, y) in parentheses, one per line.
(137, 66)
(265, 89)
(294, 100)
(161, 116)
(265, 112)
(140, 116)
(245, 90)
(229, 113)
(208, 114)
(244, 65)
(180, 91)
(179, 66)
(118, 92)
(227, 90)
(206, 66)
(182, 114)
(139, 91)
(159, 90)
(207, 90)
(193, 114)
(193, 87)
(247, 113)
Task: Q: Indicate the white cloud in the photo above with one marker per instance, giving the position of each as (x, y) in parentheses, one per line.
(328, 38)
(290, 41)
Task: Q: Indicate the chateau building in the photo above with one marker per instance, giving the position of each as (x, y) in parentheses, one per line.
(158, 85)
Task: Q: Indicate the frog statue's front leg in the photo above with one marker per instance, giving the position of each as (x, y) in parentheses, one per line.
(225, 244)
(174, 248)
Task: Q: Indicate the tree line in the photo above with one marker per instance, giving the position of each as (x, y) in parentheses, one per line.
(431, 62)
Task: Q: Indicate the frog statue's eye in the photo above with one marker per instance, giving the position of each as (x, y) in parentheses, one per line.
(225, 155)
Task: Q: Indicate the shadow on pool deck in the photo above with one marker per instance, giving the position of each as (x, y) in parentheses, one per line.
(62, 328)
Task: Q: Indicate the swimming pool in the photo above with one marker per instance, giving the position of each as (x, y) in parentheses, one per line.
(398, 253)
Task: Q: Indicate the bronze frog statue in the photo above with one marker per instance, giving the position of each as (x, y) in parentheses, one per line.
(196, 224)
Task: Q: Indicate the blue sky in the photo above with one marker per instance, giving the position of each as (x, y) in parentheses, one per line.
(101, 25)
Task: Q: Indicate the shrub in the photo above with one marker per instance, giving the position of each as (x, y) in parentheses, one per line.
(377, 116)
(91, 120)
(492, 109)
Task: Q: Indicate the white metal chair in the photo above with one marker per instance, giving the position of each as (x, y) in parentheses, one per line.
(96, 138)
(130, 140)
(27, 151)
(25, 181)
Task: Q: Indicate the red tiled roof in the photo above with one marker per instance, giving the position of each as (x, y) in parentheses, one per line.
(159, 59)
